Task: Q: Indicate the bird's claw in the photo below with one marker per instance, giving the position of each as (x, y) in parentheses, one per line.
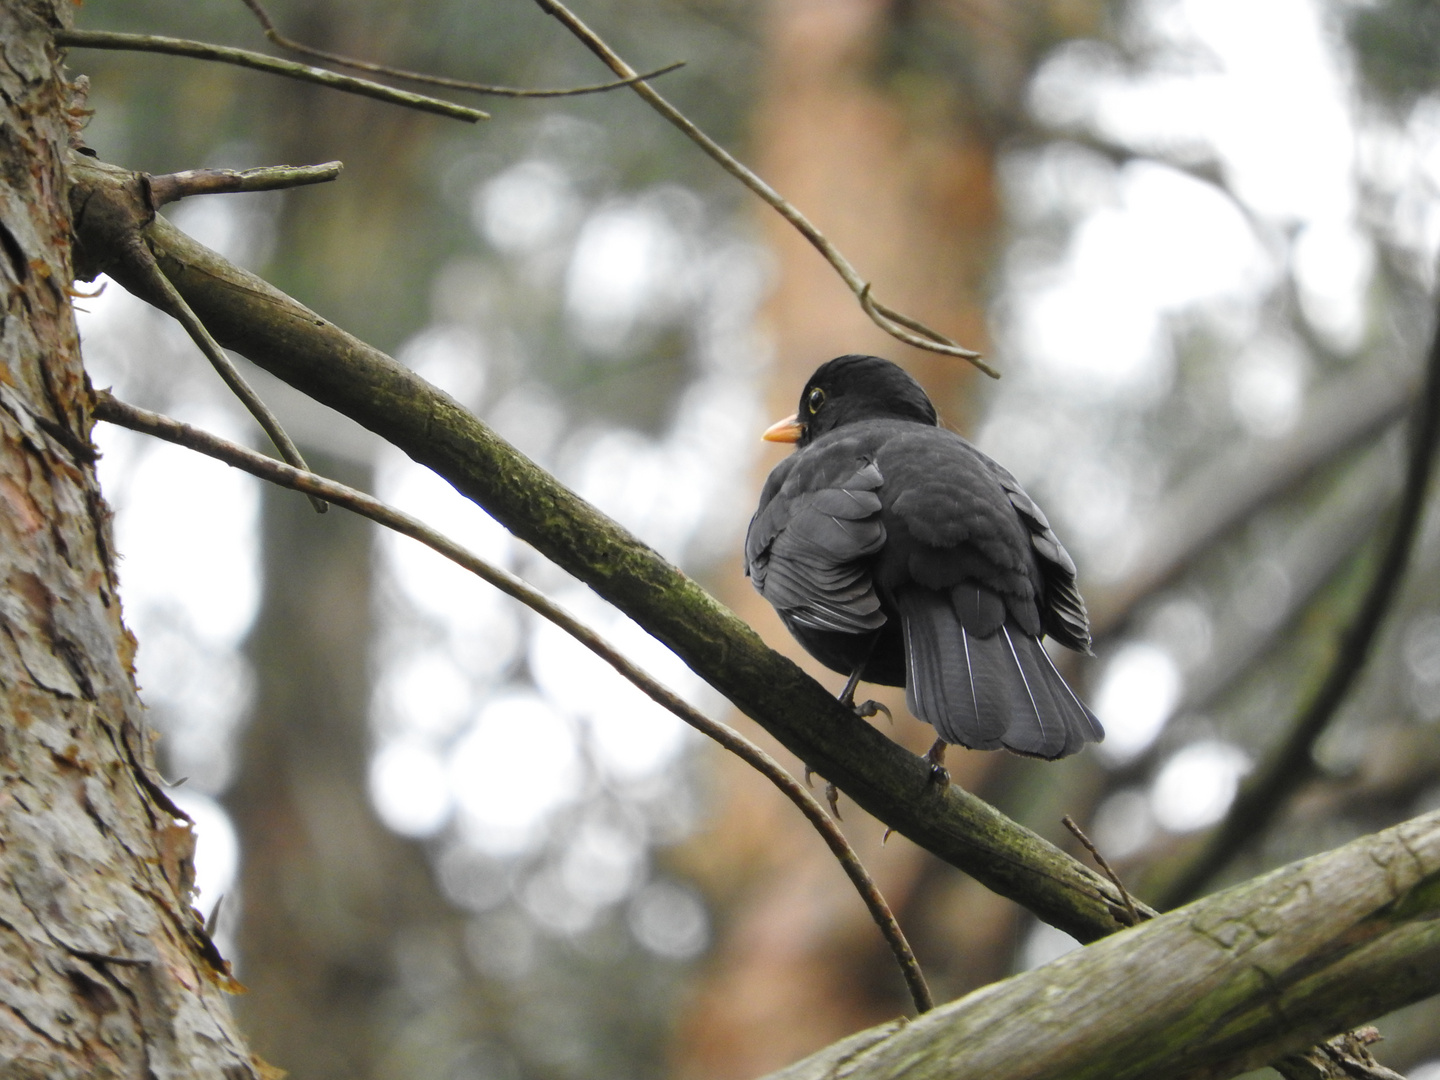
(866, 709)
(832, 796)
(939, 775)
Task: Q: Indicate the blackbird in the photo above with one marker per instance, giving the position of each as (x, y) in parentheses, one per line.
(899, 554)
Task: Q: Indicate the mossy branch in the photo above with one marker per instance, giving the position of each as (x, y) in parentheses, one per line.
(1212, 990)
(318, 358)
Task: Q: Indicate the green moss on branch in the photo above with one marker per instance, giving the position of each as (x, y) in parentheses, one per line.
(279, 334)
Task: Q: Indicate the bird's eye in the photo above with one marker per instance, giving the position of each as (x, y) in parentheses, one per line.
(816, 397)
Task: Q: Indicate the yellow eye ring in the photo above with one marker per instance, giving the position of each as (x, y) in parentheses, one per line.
(814, 400)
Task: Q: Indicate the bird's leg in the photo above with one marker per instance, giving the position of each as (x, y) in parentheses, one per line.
(939, 775)
(866, 709)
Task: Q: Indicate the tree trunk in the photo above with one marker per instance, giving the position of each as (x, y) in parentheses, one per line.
(355, 961)
(105, 969)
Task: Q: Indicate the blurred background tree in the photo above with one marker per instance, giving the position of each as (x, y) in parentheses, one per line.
(1190, 235)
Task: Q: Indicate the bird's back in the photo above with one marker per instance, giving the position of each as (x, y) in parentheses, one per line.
(899, 546)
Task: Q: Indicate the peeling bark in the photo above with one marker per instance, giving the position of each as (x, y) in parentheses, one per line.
(105, 969)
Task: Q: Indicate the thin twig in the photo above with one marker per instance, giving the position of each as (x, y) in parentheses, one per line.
(1293, 763)
(1089, 845)
(144, 263)
(224, 54)
(170, 187)
(898, 326)
(108, 407)
(273, 33)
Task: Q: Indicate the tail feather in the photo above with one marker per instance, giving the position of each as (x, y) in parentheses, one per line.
(1081, 724)
(1038, 729)
(989, 691)
(944, 684)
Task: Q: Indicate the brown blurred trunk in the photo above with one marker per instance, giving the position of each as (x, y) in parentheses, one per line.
(355, 962)
(104, 966)
(912, 202)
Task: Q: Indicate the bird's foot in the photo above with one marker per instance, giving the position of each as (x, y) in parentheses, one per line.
(832, 796)
(866, 709)
(939, 775)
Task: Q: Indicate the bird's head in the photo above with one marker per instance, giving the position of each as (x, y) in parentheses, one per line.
(851, 388)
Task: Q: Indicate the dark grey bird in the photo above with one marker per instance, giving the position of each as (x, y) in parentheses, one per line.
(899, 554)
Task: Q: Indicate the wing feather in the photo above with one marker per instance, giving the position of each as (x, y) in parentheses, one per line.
(811, 547)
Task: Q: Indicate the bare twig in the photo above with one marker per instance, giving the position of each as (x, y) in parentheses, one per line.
(170, 187)
(144, 263)
(892, 322)
(273, 33)
(1089, 846)
(107, 407)
(1292, 763)
(202, 50)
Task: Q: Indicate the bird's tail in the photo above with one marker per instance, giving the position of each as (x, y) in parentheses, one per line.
(989, 684)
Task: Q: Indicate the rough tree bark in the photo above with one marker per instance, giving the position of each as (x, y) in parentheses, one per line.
(105, 968)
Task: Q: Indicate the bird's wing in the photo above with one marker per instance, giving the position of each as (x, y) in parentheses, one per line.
(813, 540)
(1062, 610)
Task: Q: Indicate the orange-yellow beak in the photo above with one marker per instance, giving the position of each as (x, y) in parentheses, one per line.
(788, 430)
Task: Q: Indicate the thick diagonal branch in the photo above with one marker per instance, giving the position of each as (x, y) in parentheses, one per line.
(318, 358)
